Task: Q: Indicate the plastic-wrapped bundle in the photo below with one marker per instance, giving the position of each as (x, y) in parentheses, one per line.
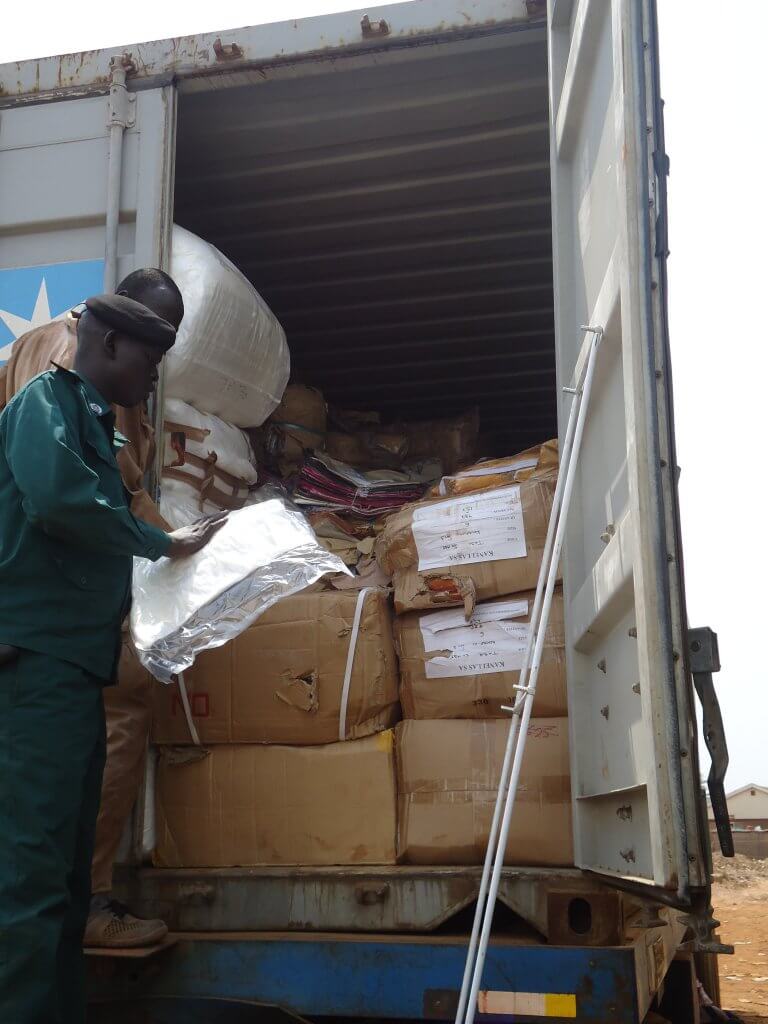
(207, 465)
(230, 358)
(297, 426)
(184, 606)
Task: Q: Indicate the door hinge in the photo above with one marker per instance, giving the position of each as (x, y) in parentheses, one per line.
(122, 104)
(704, 660)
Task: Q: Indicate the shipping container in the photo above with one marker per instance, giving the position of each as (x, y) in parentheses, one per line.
(433, 197)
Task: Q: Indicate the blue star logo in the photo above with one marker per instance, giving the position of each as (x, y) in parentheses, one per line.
(33, 296)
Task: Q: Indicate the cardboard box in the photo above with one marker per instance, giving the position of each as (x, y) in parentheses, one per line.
(281, 681)
(453, 669)
(493, 473)
(460, 550)
(369, 449)
(448, 774)
(453, 441)
(241, 806)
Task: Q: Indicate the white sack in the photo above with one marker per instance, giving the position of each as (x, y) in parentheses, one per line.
(231, 358)
(180, 504)
(183, 606)
(227, 442)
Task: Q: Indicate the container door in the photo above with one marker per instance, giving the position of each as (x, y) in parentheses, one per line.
(633, 736)
(53, 195)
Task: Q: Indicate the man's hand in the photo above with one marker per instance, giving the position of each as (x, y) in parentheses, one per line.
(193, 538)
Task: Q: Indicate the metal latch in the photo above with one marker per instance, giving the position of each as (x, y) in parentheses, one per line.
(373, 29)
(704, 660)
(226, 51)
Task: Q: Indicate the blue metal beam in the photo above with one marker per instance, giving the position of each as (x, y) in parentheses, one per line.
(335, 976)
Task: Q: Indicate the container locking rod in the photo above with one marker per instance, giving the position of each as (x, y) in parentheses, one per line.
(521, 711)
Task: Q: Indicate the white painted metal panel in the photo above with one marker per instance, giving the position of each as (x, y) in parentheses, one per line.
(632, 735)
(53, 189)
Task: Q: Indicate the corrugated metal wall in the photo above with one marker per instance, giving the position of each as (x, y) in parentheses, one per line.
(397, 219)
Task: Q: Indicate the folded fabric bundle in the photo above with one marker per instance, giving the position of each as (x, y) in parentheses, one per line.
(327, 483)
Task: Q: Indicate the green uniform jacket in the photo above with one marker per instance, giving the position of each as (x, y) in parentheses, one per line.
(67, 537)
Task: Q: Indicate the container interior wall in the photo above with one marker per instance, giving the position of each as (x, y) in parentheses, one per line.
(394, 211)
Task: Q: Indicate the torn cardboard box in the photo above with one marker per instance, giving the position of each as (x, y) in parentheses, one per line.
(457, 551)
(448, 774)
(451, 668)
(241, 806)
(493, 473)
(282, 680)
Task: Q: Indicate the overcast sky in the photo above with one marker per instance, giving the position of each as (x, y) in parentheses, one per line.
(713, 81)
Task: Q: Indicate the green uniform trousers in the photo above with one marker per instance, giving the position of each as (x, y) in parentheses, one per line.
(52, 750)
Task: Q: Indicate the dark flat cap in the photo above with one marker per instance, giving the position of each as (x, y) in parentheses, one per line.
(132, 318)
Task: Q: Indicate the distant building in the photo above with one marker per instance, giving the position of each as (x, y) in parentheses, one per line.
(747, 808)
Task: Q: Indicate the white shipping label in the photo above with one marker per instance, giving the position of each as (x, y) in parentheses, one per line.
(491, 647)
(485, 527)
(489, 642)
(501, 467)
(432, 623)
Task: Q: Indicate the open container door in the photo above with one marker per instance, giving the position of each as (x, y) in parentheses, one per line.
(54, 167)
(637, 805)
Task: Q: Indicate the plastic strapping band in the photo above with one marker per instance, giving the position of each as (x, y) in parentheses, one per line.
(188, 711)
(298, 426)
(351, 660)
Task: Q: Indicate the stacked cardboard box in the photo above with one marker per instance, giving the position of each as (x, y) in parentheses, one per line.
(297, 763)
(457, 551)
(245, 805)
(473, 560)
(282, 747)
(282, 680)
(448, 774)
(451, 668)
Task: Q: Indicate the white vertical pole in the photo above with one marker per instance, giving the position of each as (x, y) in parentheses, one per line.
(507, 792)
(514, 724)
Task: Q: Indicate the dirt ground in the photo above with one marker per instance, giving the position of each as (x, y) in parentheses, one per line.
(740, 899)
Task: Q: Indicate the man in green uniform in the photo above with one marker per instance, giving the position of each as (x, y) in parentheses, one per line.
(67, 540)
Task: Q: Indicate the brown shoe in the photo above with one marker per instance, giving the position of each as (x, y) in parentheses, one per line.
(112, 927)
